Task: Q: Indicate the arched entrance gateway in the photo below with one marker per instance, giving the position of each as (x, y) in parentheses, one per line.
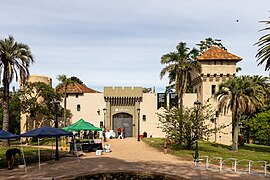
(123, 120)
(122, 105)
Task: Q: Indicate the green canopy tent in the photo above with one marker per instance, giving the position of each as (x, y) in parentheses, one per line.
(82, 125)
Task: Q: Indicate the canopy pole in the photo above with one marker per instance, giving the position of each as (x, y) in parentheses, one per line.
(38, 156)
(24, 162)
(75, 147)
(52, 149)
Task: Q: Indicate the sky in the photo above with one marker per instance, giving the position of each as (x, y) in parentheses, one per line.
(120, 42)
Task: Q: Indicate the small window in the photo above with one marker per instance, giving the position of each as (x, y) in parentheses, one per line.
(78, 107)
(77, 95)
(213, 89)
(101, 124)
(144, 117)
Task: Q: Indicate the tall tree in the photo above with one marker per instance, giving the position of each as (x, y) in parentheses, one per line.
(15, 59)
(76, 80)
(64, 82)
(37, 99)
(15, 111)
(242, 95)
(175, 124)
(263, 53)
(209, 42)
(179, 66)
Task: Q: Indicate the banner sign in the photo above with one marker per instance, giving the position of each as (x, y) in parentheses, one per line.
(173, 99)
(161, 100)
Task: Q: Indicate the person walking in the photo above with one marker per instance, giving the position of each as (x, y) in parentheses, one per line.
(104, 134)
(119, 132)
(124, 132)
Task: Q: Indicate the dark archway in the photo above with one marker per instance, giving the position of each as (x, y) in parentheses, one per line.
(123, 120)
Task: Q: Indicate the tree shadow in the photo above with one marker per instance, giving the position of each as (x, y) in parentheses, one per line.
(68, 168)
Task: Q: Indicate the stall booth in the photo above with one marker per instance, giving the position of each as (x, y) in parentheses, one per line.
(88, 145)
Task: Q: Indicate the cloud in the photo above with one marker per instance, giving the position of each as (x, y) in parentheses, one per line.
(121, 42)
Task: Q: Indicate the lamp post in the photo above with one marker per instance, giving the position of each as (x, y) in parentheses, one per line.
(104, 124)
(197, 105)
(27, 124)
(138, 111)
(56, 107)
(104, 111)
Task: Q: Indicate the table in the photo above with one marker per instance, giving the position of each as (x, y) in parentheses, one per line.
(86, 146)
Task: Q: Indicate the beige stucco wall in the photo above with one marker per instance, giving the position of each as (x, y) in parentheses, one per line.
(209, 67)
(214, 74)
(149, 109)
(39, 78)
(90, 104)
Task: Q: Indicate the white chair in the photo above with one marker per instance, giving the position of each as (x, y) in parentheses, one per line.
(107, 148)
(120, 136)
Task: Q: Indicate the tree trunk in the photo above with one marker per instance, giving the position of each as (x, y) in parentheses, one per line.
(235, 128)
(5, 106)
(235, 135)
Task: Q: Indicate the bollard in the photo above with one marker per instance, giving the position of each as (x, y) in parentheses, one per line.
(165, 146)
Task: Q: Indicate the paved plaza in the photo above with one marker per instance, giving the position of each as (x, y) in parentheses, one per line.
(127, 155)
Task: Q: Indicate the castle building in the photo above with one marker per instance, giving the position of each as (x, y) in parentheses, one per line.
(217, 66)
(129, 107)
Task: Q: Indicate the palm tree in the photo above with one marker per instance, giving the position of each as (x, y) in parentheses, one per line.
(15, 59)
(242, 95)
(64, 82)
(263, 53)
(179, 66)
(209, 42)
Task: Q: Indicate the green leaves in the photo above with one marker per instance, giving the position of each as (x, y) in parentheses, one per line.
(263, 53)
(180, 63)
(259, 127)
(37, 98)
(180, 125)
(242, 95)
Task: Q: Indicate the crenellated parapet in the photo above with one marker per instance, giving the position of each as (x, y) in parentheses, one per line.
(123, 96)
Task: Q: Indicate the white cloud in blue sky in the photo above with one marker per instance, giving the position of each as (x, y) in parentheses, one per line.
(120, 42)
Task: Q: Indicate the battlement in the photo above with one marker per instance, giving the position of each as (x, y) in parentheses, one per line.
(123, 92)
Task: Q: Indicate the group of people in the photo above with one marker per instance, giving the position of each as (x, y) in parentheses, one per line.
(121, 133)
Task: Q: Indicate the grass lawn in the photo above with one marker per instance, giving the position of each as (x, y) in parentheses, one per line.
(249, 152)
(30, 153)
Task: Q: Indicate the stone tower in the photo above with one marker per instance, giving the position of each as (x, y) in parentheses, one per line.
(26, 121)
(217, 66)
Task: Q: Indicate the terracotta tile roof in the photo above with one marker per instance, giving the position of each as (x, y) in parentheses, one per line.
(77, 88)
(215, 53)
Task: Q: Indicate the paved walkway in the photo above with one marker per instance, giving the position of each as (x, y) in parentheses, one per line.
(126, 155)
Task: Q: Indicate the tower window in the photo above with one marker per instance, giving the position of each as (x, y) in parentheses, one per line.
(213, 89)
(78, 107)
(144, 117)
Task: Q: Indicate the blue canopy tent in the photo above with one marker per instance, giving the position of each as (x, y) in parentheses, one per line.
(7, 135)
(45, 131)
